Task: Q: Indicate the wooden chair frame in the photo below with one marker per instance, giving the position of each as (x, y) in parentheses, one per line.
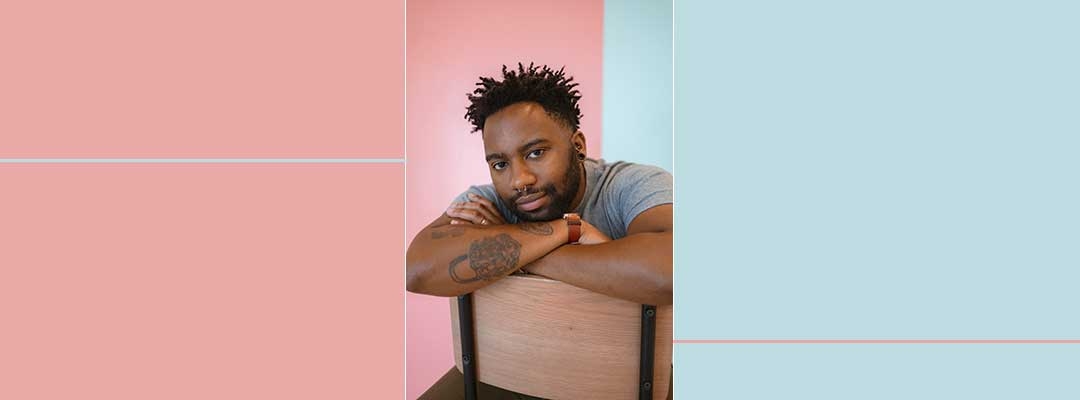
(466, 335)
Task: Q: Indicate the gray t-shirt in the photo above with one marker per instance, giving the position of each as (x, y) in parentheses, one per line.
(614, 194)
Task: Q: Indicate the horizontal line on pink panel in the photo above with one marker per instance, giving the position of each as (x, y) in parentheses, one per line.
(876, 341)
(201, 160)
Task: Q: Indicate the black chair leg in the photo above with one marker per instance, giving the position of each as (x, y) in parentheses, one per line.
(468, 344)
(648, 347)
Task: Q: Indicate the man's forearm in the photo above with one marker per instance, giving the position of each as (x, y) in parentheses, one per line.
(635, 268)
(451, 260)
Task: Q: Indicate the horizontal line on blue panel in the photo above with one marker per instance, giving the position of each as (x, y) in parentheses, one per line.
(202, 160)
(876, 341)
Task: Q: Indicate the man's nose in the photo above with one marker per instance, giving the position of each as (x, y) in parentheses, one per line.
(523, 177)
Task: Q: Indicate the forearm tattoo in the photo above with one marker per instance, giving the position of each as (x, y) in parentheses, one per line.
(489, 258)
(537, 228)
(453, 231)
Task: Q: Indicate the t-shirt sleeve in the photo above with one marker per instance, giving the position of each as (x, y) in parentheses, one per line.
(641, 187)
(486, 191)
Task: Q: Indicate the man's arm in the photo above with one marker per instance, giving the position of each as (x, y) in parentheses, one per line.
(636, 267)
(447, 259)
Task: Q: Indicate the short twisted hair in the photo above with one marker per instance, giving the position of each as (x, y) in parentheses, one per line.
(552, 89)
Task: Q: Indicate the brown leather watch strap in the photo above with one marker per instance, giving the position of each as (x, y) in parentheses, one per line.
(573, 222)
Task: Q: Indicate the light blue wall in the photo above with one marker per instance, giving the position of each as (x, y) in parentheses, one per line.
(877, 170)
(637, 82)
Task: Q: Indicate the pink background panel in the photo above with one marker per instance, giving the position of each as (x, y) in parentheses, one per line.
(201, 79)
(450, 44)
(201, 281)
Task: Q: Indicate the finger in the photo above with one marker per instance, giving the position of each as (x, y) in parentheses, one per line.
(455, 209)
(455, 221)
(472, 216)
(592, 235)
(492, 217)
(492, 211)
(464, 214)
(485, 214)
(485, 207)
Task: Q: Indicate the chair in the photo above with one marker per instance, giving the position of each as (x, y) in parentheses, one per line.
(548, 339)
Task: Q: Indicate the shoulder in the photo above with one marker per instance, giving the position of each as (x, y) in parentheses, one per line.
(631, 189)
(486, 191)
(622, 173)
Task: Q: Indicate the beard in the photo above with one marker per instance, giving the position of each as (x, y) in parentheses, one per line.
(560, 200)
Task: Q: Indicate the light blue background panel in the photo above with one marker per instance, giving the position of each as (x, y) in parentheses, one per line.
(879, 372)
(901, 170)
(637, 82)
(877, 170)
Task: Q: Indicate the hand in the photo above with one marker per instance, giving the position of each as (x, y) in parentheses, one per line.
(591, 235)
(478, 210)
(535, 268)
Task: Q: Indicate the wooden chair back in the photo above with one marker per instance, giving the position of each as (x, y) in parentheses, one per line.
(549, 339)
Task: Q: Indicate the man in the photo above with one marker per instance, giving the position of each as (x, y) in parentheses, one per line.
(536, 158)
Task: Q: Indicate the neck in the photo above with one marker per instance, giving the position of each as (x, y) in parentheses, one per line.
(580, 189)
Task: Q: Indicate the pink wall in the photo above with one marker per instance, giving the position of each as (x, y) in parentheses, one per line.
(203, 280)
(450, 44)
(200, 78)
(196, 281)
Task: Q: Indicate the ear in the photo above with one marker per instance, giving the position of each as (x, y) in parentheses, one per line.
(578, 141)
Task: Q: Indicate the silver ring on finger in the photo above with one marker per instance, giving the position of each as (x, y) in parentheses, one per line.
(483, 221)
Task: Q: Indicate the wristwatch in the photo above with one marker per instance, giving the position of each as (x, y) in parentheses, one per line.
(573, 221)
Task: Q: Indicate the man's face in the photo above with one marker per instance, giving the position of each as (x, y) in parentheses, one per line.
(527, 148)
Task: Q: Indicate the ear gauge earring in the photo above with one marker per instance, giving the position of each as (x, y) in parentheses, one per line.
(581, 156)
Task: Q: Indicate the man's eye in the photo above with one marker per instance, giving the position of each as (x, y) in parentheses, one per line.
(499, 165)
(537, 153)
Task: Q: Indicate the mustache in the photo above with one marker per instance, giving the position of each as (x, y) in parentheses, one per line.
(549, 189)
(523, 194)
